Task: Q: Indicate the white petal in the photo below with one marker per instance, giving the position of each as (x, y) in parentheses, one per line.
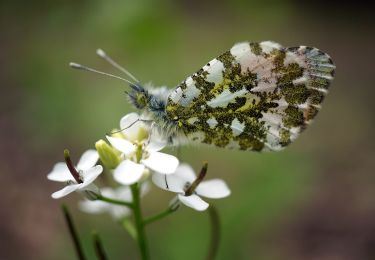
(161, 162)
(108, 192)
(131, 128)
(122, 145)
(88, 160)
(92, 188)
(169, 182)
(155, 145)
(93, 206)
(194, 202)
(60, 173)
(157, 142)
(65, 191)
(128, 172)
(145, 188)
(118, 212)
(185, 172)
(90, 175)
(124, 193)
(214, 189)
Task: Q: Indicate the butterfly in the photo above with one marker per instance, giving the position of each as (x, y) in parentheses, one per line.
(254, 97)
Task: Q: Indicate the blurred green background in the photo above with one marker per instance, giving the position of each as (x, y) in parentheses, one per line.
(315, 200)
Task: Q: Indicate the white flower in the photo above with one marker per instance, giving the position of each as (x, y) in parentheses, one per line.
(98, 206)
(133, 129)
(116, 211)
(86, 169)
(128, 171)
(181, 181)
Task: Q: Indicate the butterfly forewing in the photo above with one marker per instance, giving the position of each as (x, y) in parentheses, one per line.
(256, 96)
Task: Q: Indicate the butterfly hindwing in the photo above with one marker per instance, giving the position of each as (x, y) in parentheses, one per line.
(256, 96)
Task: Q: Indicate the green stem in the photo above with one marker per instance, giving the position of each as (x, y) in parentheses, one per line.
(115, 201)
(141, 234)
(215, 233)
(73, 233)
(99, 250)
(129, 226)
(159, 215)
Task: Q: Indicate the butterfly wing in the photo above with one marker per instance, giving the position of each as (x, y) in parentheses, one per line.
(256, 96)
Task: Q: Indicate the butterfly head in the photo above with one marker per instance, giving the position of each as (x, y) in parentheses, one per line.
(138, 96)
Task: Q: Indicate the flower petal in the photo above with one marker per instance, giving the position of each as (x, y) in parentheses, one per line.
(108, 192)
(124, 193)
(161, 162)
(88, 160)
(61, 173)
(169, 182)
(89, 191)
(90, 175)
(122, 145)
(214, 189)
(145, 188)
(93, 206)
(128, 172)
(193, 201)
(185, 172)
(65, 191)
(118, 212)
(131, 126)
(156, 142)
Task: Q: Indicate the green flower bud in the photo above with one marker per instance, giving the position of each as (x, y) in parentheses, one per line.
(107, 154)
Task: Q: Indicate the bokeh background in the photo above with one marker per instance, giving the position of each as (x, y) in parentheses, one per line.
(315, 200)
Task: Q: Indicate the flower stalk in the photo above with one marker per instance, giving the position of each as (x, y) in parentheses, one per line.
(73, 233)
(99, 250)
(162, 214)
(215, 233)
(115, 201)
(139, 225)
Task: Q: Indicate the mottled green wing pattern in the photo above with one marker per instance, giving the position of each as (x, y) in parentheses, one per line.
(256, 96)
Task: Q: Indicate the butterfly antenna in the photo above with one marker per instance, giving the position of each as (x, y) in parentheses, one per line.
(103, 55)
(130, 125)
(81, 67)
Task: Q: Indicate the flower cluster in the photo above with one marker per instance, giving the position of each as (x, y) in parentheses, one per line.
(132, 156)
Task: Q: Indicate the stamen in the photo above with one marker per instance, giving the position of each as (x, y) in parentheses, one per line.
(71, 167)
(198, 180)
(166, 181)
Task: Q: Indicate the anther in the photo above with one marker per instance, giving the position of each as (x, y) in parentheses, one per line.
(198, 180)
(71, 167)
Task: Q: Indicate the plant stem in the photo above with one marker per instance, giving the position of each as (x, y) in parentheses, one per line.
(159, 216)
(73, 233)
(215, 233)
(141, 235)
(99, 250)
(129, 226)
(115, 201)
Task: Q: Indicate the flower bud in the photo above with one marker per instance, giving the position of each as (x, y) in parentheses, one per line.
(108, 155)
